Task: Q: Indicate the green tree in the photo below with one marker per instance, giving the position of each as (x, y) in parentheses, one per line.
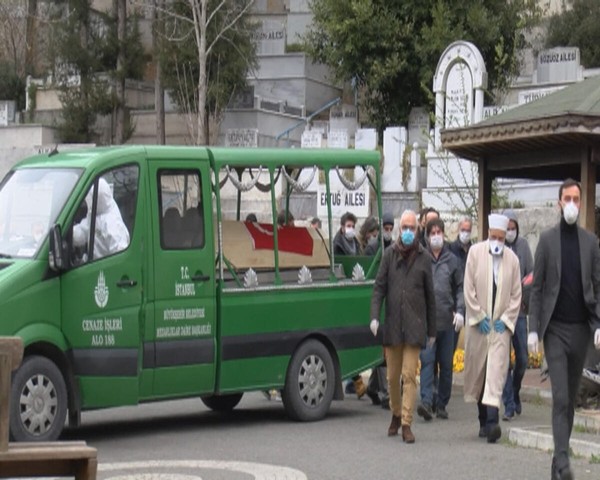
(206, 58)
(86, 48)
(577, 26)
(389, 49)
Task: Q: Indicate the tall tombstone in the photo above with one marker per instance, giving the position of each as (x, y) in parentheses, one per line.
(320, 126)
(343, 117)
(394, 145)
(337, 138)
(3, 114)
(311, 139)
(7, 112)
(459, 97)
(365, 139)
(418, 127)
(459, 83)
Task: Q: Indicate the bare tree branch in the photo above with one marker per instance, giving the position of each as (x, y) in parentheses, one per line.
(240, 14)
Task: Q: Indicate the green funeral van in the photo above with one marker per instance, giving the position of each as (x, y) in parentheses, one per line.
(131, 278)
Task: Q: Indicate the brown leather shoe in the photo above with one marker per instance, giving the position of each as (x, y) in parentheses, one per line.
(394, 426)
(359, 387)
(407, 435)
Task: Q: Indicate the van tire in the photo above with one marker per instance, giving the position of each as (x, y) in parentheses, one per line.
(310, 382)
(222, 403)
(39, 395)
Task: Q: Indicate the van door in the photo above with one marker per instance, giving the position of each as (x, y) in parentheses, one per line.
(183, 292)
(101, 292)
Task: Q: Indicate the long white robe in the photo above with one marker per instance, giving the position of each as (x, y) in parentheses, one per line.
(487, 356)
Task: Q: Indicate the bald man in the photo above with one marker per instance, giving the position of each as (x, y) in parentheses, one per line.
(405, 282)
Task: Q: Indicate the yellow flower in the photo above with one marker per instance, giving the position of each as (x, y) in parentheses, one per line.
(458, 361)
(534, 361)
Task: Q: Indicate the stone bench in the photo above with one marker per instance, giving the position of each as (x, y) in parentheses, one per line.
(36, 459)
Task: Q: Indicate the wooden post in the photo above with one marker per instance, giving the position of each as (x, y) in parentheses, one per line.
(11, 355)
(587, 217)
(485, 199)
(4, 399)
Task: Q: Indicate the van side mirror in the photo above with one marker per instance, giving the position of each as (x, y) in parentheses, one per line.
(55, 253)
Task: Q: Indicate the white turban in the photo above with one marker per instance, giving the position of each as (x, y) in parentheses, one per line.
(498, 222)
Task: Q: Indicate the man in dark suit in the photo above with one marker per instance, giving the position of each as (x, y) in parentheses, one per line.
(564, 305)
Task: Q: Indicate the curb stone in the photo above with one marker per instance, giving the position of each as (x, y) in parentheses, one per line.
(540, 437)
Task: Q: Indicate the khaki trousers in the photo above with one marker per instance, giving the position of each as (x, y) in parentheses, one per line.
(402, 361)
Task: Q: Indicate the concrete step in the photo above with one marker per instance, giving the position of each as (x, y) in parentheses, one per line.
(584, 445)
(585, 439)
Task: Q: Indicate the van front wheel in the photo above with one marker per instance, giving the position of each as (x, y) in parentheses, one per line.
(222, 403)
(310, 383)
(38, 403)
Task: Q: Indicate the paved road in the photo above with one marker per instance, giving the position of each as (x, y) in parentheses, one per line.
(182, 440)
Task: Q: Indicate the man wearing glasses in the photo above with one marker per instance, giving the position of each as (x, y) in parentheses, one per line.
(405, 282)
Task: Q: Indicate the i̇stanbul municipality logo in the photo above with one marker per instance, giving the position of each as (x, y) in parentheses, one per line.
(101, 291)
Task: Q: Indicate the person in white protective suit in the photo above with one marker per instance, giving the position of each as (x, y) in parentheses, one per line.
(111, 234)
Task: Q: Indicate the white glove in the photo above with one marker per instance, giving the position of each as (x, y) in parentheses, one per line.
(374, 326)
(532, 342)
(597, 339)
(458, 322)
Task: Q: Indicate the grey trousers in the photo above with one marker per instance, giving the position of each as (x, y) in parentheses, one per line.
(565, 347)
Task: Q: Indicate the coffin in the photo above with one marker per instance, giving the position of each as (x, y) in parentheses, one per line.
(246, 246)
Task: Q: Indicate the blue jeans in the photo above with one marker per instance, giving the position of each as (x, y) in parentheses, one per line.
(512, 387)
(441, 353)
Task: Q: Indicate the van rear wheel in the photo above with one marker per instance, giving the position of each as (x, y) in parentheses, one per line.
(222, 403)
(310, 383)
(38, 403)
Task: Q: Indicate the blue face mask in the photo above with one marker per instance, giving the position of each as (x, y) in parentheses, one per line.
(408, 237)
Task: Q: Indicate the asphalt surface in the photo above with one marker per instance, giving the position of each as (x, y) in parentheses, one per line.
(183, 440)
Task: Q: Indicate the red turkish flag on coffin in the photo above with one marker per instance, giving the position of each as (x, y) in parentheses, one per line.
(290, 239)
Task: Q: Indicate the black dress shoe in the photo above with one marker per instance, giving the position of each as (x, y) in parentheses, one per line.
(482, 432)
(563, 474)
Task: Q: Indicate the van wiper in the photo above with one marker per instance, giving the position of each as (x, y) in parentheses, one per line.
(5, 255)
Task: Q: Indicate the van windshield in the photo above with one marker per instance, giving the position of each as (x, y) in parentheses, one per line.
(30, 201)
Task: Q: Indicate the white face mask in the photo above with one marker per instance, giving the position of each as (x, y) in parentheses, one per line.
(496, 247)
(349, 233)
(511, 236)
(570, 213)
(436, 241)
(387, 236)
(464, 237)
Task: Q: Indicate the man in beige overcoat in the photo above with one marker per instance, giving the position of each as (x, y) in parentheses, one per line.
(492, 292)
